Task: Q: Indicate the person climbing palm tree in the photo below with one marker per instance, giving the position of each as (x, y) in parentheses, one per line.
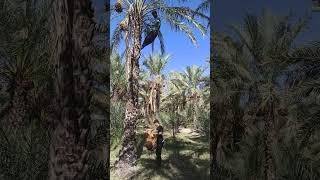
(152, 30)
(131, 29)
(160, 140)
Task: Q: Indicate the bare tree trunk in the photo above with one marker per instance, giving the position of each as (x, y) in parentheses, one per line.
(127, 154)
(177, 121)
(157, 100)
(153, 103)
(215, 128)
(173, 132)
(214, 141)
(68, 149)
(149, 114)
(194, 114)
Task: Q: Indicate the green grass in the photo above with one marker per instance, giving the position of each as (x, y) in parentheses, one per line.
(184, 157)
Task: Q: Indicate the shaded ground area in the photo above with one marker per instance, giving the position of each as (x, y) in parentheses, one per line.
(184, 157)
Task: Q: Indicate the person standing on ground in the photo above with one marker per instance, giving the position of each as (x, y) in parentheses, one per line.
(160, 140)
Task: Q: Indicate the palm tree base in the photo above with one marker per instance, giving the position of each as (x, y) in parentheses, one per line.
(68, 159)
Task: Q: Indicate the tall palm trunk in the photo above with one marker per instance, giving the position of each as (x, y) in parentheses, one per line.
(68, 149)
(177, 123)
(215, 135)
(214, 138)
(127, 154)
(151, 102)
(194, 119)
(149, 114)
(269, 171)
(147, 107)
(157, 101)
(194, 114)
(154, 101)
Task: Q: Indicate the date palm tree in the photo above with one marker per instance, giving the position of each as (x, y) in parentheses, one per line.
(231, 76)
(155, 65)
(144, 94)
(118, 78)
(26, 75)
(174, 101)
(142, 17)
(190, 81)
(269, 38)
(22, 68)
(69, 146)
(266, 42)
(304, 87)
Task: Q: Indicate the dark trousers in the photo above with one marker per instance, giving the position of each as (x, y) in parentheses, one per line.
(158, 150)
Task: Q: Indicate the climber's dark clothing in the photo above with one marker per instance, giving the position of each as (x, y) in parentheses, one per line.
(152, 32)
(159, 144)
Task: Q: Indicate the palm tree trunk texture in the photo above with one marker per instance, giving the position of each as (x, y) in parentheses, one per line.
(194, 115)
(269, 171)
(19, 106)
(127, 154)
(68, 149)
(214, 138)
(220, 127)
(116, 94)
(177, 123)
(147, 112)
(154, 101)
(157, 100)
(149, 115)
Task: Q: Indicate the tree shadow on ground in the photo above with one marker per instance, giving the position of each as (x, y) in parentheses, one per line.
(151, 169)
(176, 145)
(140, 141)
(201, 139)
(177, 165)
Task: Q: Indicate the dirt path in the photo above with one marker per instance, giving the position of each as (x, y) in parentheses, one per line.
(184, 157)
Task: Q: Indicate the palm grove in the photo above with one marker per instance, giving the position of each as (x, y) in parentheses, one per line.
(149, 94)
(265, 91)
(55, 92)
(49, 91)
(265, 101)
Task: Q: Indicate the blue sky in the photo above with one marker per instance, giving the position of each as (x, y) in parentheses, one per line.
(225, 12)
(183, 52)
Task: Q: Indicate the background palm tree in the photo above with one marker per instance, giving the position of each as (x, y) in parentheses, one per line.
(137, 19)
(118, 77)
(190, 81)
(269, 48)
(174, 102)
(23, 68)
(251, 69)
(155, 65)
(26, 79)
